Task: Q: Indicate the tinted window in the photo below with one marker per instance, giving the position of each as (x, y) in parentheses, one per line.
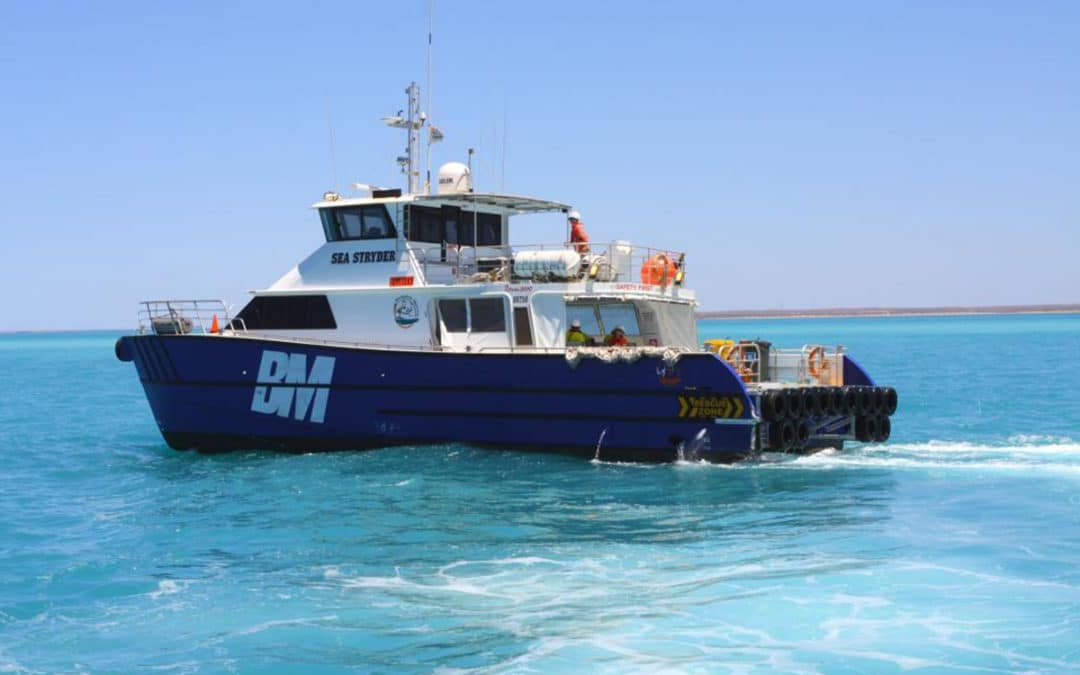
(425, 225)
(453, 315)
(487, 315)
(286, 312)
(522, 330)
(454, 226)
(357, 222)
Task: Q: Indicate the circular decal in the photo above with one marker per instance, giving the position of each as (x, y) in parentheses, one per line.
(406, 311)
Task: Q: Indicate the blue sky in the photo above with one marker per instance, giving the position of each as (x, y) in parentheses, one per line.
(805, 154)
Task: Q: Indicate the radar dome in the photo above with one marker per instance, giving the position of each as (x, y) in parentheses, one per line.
(453, 178)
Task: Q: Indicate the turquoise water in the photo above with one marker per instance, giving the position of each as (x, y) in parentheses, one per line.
(955, 547)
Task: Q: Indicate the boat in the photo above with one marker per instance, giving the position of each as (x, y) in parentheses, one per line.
(420, 321)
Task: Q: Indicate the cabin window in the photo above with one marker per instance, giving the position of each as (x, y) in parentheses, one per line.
(586, 314)
(286, 312)
(357, 222)
(454, 317)
(599, 319)
(619, 314)
(482, 315)
(487, 315)
(454, 226)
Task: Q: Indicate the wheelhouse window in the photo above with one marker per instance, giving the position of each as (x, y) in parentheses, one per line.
(454, 226)
(357, 222)
(286, 312)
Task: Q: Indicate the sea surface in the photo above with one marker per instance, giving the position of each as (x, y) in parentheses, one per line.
(953, 548)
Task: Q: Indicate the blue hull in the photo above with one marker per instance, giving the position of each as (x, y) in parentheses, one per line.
(216, 393)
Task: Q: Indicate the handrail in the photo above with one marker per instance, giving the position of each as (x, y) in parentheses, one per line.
(617, 261)
(415, 264)
(181, 317)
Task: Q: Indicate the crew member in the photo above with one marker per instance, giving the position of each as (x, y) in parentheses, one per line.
(617, 338)
(575, 337)
(578, 236)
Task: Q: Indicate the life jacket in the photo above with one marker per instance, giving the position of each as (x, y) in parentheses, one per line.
(576, 336)
(613, 341)
(579, 237)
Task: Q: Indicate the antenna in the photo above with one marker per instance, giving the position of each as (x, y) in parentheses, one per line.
(502, 172)
(333, 151)
(432, 131)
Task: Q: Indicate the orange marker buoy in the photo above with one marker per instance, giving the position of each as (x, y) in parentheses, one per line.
(214, 325)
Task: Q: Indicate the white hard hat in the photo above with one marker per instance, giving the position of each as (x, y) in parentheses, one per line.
(575, 324)
(619, 328)
(573, 215)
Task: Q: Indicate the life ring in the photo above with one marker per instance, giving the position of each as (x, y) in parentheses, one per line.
(735, 357)
(733, 354)
(657, 270)
(816, 363)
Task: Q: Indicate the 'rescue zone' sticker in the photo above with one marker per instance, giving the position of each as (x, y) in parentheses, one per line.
(710, 406)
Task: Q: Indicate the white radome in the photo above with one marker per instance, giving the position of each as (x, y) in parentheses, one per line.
(454, 178)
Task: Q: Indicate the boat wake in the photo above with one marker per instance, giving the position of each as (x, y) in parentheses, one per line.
(1023, 453)
(1018, 453)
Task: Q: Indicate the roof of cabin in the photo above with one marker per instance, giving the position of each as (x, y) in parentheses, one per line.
(489, 201)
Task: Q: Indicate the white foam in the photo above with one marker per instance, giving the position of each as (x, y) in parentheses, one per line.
(266, 625)
(168, 587)
(1061, 447)
(1061, 457)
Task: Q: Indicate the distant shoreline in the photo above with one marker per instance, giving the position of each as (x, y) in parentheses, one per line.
(856, 312)
(826, 313)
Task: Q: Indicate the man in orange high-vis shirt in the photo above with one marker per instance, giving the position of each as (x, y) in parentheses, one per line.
(578, 236)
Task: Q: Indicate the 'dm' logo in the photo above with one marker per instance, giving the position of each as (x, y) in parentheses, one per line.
(281, 369)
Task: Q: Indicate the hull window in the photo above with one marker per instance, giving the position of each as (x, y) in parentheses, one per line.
(286, 312)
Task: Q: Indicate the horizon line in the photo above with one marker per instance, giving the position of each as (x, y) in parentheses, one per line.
(819, 313)
(853, 312)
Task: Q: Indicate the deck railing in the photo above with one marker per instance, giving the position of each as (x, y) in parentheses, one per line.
(613, 261)
(181, 317)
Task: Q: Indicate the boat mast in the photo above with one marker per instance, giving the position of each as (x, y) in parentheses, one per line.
(416, 120)
(412, 121)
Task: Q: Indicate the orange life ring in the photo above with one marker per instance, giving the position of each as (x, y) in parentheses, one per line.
(658, 270)
(735, 357)
(819, 366)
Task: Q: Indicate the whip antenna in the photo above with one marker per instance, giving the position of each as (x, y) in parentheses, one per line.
(333, 151)
(432, 131)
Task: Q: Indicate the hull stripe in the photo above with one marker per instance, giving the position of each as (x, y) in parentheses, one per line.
(580, 391)
(543, 416)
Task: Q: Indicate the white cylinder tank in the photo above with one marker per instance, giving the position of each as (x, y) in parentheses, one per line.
(454, 178)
